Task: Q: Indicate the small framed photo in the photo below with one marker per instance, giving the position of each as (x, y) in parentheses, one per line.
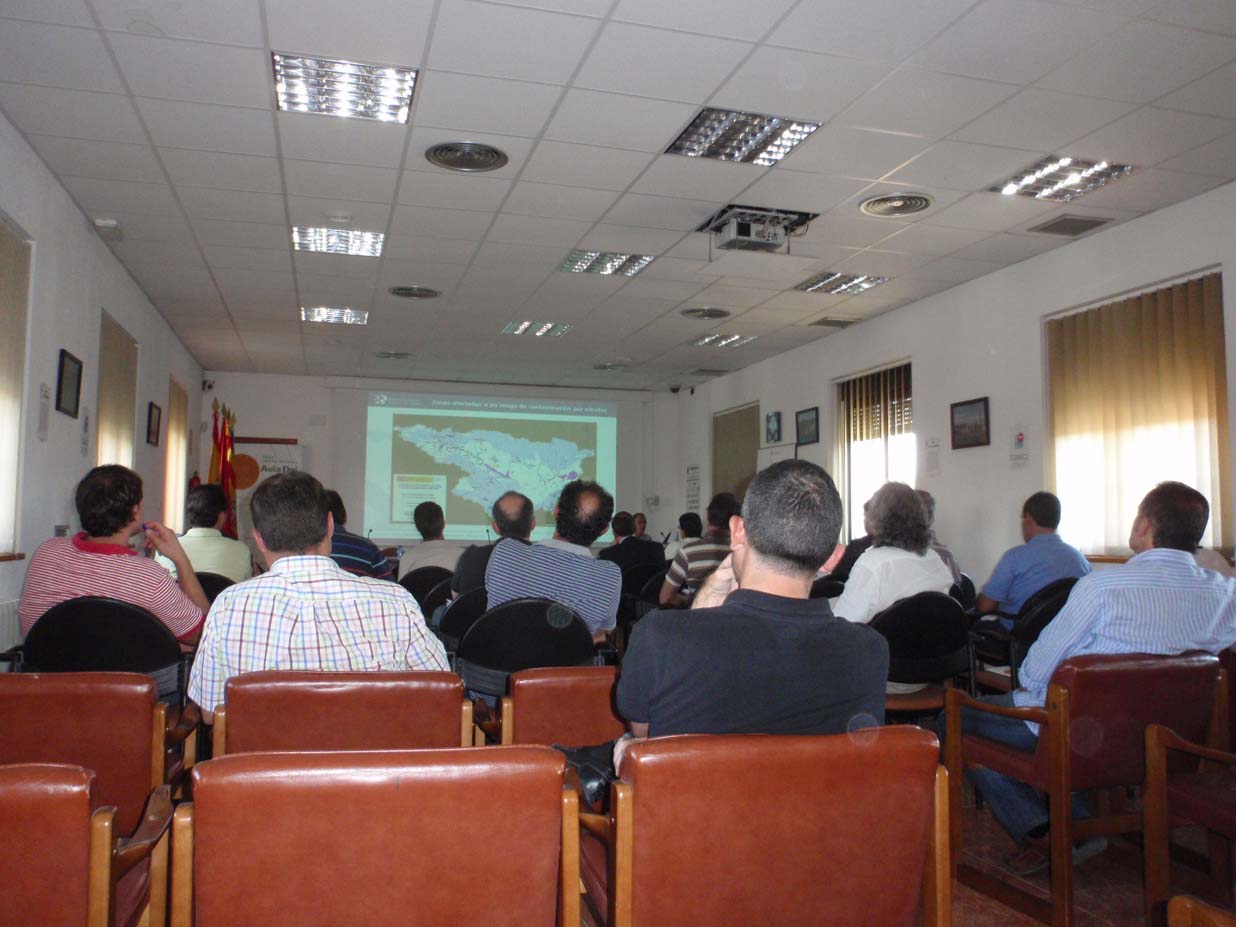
(971, 423)
(807, 425)
(68, 384)
(772, 428)
(154, 419)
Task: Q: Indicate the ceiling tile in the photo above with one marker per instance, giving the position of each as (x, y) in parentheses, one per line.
(1217, 159)
(955, 270)
(246, 277)
(227, 171)
(537, 261)
(552, 201)
(804, 302)
(661, 212)
(660, 64)
(1042, 119)
(881, 263)
(56, 56)
(340, 181)
(697, 178)
(732, 19)
(964, 166)
(1014, 40)
(483, 104)
(801, 85)
(249, 258)
(515, 148)
(102, 196)
(213, 128)
(61, 12)
(933, 240)
(1211, 94)
(806, 192)
(661, 291)
(484, 38)
(732, 297)
(242, 234)
(447, 190)
(92, 158)
(181, 254)
(846, 229)
(1149, 135)
(872, 29)
(378, 31)
(233, 22)
(585, 165)
(315, 211)
(72, 113)
(629, 239)
(1150, 189)
(343, 141)
(616, 121)
(169, 69)
(240, 205)
(838, 149)
(1142, 61)
(992, 212)
(418, 271)
(1209, 15)
(673, 268)
(762, 270)
(1009, 249)
(442, 223)
(925, 103)
(535, 230)
(145, 227)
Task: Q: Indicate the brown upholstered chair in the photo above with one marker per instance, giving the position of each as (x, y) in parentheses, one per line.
(1206, 796)
(1091, 737)
(731, 831)
(111, 724)
(368, 839)
(1184, 911)
(570, 705)
(270, 711)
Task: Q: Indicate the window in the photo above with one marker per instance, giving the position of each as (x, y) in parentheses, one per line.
(875, 438)
(1138, 392)
(117, 394)
(14, 293)
(174, 482)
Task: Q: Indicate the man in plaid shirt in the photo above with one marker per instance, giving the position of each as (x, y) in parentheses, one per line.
(305, 612)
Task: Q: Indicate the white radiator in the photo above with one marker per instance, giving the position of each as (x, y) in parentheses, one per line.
(10, 630)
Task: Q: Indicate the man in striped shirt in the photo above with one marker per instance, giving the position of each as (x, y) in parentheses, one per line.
(305, 613)
(1159, 602)
(698, 557)
(357, 555)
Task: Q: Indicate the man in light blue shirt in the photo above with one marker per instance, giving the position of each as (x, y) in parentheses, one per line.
(1026, 569)
(1159, 602)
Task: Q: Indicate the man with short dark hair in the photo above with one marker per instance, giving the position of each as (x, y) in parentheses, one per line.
(641, 527)
(305, 612)
(562, 568)
(208, 550)
(357, 555)
(629, 552)
(513, 517)
(431, 550)
(695, 560)
(757, 654)
(690, 525)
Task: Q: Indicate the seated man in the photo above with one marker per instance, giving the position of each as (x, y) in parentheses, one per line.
(204, 543)
(1042, 560)
(563, 568)
(697, 559)
(357, 555)
(629, 552)
(432, 550)
(690, 525)
(305, 613)
(757, 654)
(513, 517)
(1160, 601)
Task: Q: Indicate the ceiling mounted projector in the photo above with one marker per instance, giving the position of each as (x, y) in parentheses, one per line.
(750, 235)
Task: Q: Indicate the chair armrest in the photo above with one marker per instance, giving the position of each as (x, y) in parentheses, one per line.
(1036, 715)
(1165, 738)
(484, 718)
(154, 824)
(15, 655)
(181, 722)
(597, 824)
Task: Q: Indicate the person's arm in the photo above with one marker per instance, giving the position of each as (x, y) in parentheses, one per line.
(717, 587)
(984, 605)
(674, 579)
(206, 678)
(164, 540)
(857, 601)
(1064, 636)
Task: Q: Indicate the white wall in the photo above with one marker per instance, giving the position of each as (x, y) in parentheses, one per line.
(983, 338)
(74, 278)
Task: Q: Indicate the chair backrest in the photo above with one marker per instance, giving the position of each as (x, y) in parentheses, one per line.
(269, 711)
(1185, 911)
(213, 584)
(521, 634)
(95, 633)
(636, 578)
(1112, 699)
(106, 722)
(928, 638)
(966, 593)
(1038, 611)
(651, 591)
(462, 613)
(827, 588)
(367, 839)
(438, 595)
(422, 579)
(1228, 660)
(572, 706)
(46, 845)
(729, 829)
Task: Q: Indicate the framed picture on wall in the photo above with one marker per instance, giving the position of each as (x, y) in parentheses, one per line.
(154, 419)
(807, 426)
(68, 384)
(772, 428)
(971, 423)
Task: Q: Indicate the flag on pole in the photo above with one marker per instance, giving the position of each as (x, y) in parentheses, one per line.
(227, 475)
(212, 472)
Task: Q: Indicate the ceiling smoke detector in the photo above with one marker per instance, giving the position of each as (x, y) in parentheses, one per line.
(613, 365)
(469, 157)
(895, 205)
(706, 313)
(392, 355)
(414, 292)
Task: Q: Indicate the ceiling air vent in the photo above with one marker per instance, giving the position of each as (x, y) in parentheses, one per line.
(392, 355)
(414, 292)
(470, 157)
(895, 205)
(832, 323)
(1070, 226)
(708, 372)
(706, 312)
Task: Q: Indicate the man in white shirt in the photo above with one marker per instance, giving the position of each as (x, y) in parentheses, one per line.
(204, 543)
(430, 521)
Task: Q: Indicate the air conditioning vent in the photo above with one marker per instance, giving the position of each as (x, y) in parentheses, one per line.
(470, 157)
(708, 372)
(1070, 226)
(895, 205)
(414, 292)
(832, 323)
(706, 312)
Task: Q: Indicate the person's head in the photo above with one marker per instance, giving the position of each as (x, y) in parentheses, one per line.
(291, 515)
(513, 516)
(430, 521)
(690, 525)
(1173, 516)
(583, 512)
(790, 522)
(338, 511)
(1040, 515)
(898, 519)
(623, 525)
(721, 508)
(206, 506)
(109, 500)
(641, 523)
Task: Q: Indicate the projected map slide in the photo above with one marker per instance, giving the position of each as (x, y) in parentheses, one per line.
(463, 452)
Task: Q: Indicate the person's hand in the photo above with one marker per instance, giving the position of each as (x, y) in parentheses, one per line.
(164, 540)
(717, 587)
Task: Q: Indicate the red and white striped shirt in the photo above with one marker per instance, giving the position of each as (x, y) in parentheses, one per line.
(65, 568)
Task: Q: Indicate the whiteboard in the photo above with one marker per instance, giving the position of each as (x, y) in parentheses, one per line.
(771, 454)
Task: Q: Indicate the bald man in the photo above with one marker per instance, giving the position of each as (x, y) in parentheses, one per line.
(512, 518)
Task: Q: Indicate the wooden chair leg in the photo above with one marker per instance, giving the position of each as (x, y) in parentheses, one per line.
(1220, 852)
(1156, 830)
(953, 763)
(1060, 814)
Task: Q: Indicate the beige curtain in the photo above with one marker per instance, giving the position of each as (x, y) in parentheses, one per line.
(1138, 392)
(875, 437)
(177, 456)
(14, 293)
(117, 419)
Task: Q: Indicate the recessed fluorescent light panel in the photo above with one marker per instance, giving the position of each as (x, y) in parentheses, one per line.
(717, 340)
(538, 329)
(1060, 180)
(332, 87)
(334, 316)
(605, 262)
(727, 135)
(840, 284)
(337, 241)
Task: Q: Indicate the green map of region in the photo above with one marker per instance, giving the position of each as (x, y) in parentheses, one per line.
(481, 458)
